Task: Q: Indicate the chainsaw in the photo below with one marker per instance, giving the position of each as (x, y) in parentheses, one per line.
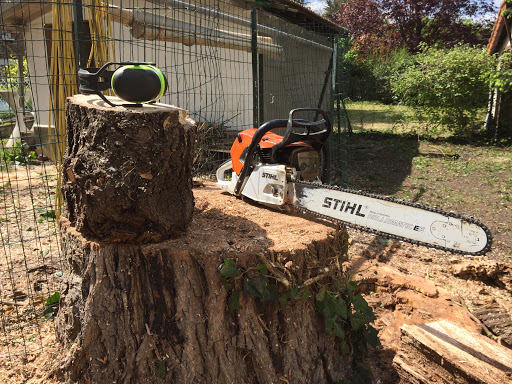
(289, 170)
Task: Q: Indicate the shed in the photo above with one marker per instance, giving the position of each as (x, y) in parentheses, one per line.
(499, 118)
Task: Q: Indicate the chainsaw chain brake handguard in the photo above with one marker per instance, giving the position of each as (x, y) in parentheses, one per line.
(89, 80)
(315, 139)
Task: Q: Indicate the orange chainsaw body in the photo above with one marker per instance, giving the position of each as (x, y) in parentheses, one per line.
(243, 140)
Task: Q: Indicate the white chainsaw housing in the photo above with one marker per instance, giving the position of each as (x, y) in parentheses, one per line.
(267, 183)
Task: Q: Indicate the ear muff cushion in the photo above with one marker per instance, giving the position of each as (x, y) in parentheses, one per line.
(139, 83)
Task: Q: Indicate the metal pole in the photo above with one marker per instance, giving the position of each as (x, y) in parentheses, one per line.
(81, 51)
(236, 20)
(254, 51)
(324, 87)
(260, 89)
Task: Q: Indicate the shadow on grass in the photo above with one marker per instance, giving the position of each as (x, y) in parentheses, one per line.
(376, 162)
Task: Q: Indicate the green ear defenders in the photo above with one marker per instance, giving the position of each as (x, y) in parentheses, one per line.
(135, 82)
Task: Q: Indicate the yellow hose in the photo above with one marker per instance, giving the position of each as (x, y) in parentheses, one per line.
(64, 71)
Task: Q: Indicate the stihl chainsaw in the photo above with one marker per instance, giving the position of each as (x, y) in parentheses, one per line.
(288, 170)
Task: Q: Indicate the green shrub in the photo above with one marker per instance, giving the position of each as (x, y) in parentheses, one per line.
(447, 86)
(17, 153)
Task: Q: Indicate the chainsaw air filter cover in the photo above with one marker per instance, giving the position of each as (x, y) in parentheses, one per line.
(139, 83)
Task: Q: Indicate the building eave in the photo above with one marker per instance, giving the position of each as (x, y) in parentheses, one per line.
(499, 31)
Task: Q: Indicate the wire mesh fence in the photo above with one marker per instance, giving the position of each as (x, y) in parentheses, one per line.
(232, 64)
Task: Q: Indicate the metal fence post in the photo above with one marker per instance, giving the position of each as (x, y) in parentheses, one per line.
(254, 51)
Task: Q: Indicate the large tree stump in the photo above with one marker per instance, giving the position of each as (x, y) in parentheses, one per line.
(153, 313)
(142, 306)
(127, 171)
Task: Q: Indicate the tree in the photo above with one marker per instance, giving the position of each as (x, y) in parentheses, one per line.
(446, 23)
(366, 22)
(379, 26)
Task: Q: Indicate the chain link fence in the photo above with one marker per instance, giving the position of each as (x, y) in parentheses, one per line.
(232, 64)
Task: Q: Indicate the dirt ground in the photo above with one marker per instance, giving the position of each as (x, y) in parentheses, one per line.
(402, 282)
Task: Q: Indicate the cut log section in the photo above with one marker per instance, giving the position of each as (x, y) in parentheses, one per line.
(151, 313)
(127, 172)
(441, 352)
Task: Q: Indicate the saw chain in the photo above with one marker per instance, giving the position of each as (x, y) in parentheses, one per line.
(395, 201)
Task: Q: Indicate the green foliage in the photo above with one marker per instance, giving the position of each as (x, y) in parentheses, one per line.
(346, 313)
(385, 69)
(161, 370)
(502, 76)
(17, 154)
(347, 316)
(50, 305)
(259, 286)
(11, 73)
(447, 86)
(46, 214)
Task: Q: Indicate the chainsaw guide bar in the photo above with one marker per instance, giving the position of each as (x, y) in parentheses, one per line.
(395, 219)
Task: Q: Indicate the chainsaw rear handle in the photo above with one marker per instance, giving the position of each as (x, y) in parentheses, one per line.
(315, 139)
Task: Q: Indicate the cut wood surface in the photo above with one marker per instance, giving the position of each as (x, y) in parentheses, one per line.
(442, 352)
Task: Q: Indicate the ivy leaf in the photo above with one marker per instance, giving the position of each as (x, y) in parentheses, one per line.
(372, 337)
(321, 295)
(294, 293)
(283, 299)
(360, 305)
(306, 294)
(234, 301)
(352, 286)
(271, 293)
(48, 312)
(256, 285)
(332, 307)
(227, 284)
(259, 287)
(161, 370)
(341, 308)
(338, 331)
(229, 268)
(358, 321)
(53, 299)
(345, 347)
(262, 267)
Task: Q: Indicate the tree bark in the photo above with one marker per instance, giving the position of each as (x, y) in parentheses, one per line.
(153, 313)
(127, 172)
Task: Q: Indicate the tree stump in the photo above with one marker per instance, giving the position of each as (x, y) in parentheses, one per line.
(151, 313)
(127, 171)
(140, 305)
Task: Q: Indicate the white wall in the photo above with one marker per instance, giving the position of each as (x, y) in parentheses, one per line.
(214, 84)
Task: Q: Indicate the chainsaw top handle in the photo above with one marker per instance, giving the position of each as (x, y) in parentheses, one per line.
(314, 138)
